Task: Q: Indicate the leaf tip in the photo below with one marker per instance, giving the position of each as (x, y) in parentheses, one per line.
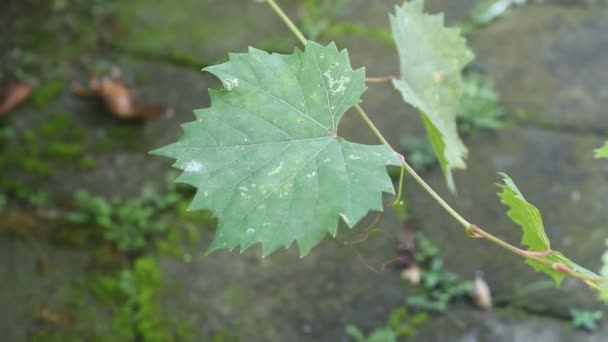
(161, 151)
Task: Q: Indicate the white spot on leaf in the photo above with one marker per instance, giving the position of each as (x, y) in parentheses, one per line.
(276, 170)
(193, 166)
(354, 157)
(437, 76)
(336, 86)
(231, 83)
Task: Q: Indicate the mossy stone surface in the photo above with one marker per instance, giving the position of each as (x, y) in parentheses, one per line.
(550, 61)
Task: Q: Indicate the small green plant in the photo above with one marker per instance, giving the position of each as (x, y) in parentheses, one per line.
(586, 320)
(133, 298)
(6, 133)
(318, 22)
(602, 152)
(47, 92)
(486, 12)
(400, 325)
(319, 14)
(521, 293)
(141, 288)
(3, 201)
(418, 151)
(34, 154)
(405, 324)
(438, 287)
(130, 298)
(379, 335)
(128, 223)
(480, 108)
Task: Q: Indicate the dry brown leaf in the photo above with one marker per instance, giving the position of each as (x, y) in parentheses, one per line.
(406, 249)
(119, 98)
(49, 316)
(12, 94)
(43, 265)
(412, 274)
(482, 297)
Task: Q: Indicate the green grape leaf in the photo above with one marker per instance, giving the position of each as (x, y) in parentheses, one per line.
(529, 218)
(602, 152)
(266, 158)
(432, 58)
(525, 215)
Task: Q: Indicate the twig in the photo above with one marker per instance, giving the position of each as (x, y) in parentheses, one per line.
(380, 79)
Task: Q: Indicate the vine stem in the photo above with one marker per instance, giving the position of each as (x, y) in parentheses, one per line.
(536, 256)
(471, 229)
(379, 79)
(412, 172)
(287, 21)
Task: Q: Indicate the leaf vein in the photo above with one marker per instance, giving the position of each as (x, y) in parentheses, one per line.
(327, 90)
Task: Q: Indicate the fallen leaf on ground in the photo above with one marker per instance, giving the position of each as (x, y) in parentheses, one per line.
(119, 98)
(482, 297)
(406, 248)
(43, 265)
(47, 315)
(412, 274)
(12, 94)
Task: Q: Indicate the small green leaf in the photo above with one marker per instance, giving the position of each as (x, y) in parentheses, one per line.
(432, 58)
(529, 218)
(526, 215)
(266, 157)
(587, 320)
(378, 335)
(602, 152)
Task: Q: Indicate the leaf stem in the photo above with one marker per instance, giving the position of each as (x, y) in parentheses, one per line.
(436, 196)
(472, 229)
(287, 21)
(372, 126)
(380, 79)
(412, 172)
(400, 186)
(536, 256)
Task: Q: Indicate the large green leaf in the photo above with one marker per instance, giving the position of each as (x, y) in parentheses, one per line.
(432, 58)
(602, 152)
(529, 218)
(266, 157)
